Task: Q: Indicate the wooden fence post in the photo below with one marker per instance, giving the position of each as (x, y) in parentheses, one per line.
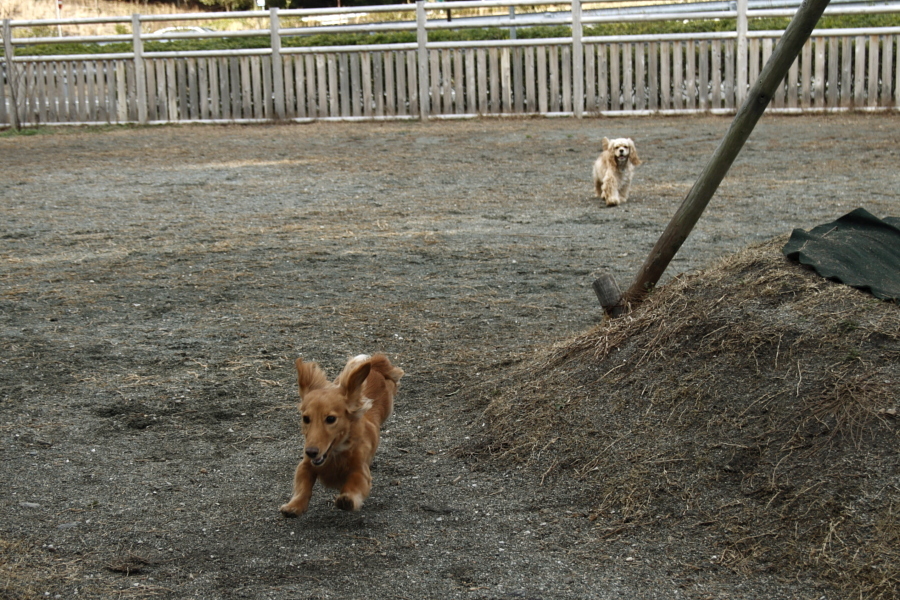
(12, 75)
(277, 65)
(742, 79)
(785, 53)
(577, 60)
(140, 77)
(422, 39)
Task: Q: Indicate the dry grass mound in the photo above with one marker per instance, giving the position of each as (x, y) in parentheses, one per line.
(753, 403)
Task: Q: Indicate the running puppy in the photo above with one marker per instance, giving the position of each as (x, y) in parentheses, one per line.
(341, 423)
(613, 170)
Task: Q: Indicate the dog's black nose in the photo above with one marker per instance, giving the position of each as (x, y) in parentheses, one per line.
(312, 452)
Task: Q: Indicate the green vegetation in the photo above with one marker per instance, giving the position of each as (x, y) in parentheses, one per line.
(353, 39)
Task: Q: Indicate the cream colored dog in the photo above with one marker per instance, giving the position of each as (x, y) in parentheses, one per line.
(613, 170)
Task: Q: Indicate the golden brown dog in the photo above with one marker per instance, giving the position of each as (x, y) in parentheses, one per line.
(614, 169)
(342, 424)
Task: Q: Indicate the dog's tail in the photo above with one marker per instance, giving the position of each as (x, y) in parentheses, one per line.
(381, 364)
(381, 386)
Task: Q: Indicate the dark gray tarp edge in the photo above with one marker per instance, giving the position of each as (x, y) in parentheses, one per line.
(858, 249)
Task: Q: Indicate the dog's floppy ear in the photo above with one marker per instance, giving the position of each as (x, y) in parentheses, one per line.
(309, 377)
(352, 381)
(604, 143)
(633, 155)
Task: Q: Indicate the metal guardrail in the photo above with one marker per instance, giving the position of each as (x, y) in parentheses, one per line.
(715, 9)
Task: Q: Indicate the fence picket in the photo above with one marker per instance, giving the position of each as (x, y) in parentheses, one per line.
(703, 74)
(403, 96)
(874, 45)
(753, 63)
(818, 83)
(716, 68)
(176, 91)
(244, 83)
(235, 87)
(887, 53)
(896, 44)
(194, 89)
(543, 94)
(678, 79)
(52, 90)
(95, 90)
(690, 80)
(505, 80)
(368, 93)
(806, 74)
(590, 78)
(389, 103)
(653, 77)
(793, 84)
(729, 74)
(152, 108)
(615, 89)
(482, 75)
(471, 93)
(665, 76)
(859, 81)
(42, 109)
(412, 78)
(518, 84)
(339, 80)
(446, 84)
(81, 77)
(267, 106)
(173, 90)
(212, 110)
(287, 78)
(494, 76)
(887, 59)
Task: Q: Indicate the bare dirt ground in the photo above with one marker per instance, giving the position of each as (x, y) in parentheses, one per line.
(158, 283)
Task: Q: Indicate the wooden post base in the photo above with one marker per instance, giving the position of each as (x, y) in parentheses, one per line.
(609, 295)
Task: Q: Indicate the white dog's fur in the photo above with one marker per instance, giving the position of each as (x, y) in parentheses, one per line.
(613, 170)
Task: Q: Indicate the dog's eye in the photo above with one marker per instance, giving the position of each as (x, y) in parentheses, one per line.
(330, 419)
(306, 419)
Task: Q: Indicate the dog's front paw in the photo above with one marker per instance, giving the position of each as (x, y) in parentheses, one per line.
(348, 502)
(291, 511)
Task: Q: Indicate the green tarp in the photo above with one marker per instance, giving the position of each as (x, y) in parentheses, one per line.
(858, 250)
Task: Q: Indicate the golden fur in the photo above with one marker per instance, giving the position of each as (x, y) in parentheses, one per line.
(341, 425)
(614, 169)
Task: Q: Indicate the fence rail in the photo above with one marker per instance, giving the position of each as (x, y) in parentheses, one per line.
(578, 76)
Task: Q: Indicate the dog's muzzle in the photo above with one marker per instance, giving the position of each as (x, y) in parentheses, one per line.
(314, 456)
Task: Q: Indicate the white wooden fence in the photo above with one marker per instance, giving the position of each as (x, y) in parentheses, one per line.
(578, 76)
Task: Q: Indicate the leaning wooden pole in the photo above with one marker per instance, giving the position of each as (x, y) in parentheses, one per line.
(787, 50)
